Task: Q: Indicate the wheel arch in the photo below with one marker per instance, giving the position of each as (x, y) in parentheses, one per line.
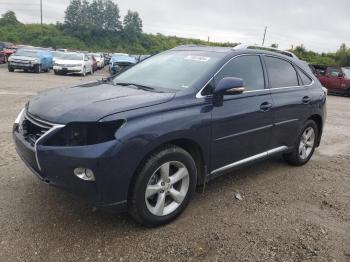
(189, 145)
(319, 122)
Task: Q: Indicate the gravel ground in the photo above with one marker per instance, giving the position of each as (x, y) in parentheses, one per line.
(286, 214)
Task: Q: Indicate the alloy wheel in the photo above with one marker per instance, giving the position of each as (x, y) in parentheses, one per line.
(167, 188)
(307, 142)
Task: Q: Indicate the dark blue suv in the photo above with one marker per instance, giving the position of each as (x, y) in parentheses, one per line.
(145, 139)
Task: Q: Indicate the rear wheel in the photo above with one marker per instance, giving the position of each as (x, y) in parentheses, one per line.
(163, 186)
(305, 145)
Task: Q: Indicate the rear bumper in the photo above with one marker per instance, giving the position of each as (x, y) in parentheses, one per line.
(55, 165)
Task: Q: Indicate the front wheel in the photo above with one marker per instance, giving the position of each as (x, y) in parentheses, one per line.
(10, 68)
(163, 186)
(305, 145)
(84, 72)
(37, 69)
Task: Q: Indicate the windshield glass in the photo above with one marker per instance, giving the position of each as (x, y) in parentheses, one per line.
(72, 56)
(27, 53)
(346, 72)
(171, 70)
(57, 54)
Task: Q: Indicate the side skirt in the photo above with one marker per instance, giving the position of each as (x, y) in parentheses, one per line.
(222, 170)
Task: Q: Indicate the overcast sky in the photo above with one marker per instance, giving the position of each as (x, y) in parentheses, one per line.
(320, 25)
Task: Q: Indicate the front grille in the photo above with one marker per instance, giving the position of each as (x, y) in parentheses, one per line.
(33, 128)
(21, 61)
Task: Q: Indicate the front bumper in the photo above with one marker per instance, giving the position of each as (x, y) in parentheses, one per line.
(55, 166)
(22, 65)
(77, 69)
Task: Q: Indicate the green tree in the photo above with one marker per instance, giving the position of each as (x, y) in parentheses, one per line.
(9, 18)
(132, 25)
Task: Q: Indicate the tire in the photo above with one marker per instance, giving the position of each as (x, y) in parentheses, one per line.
(152, 176)
(37, 69)
(56, 72)
(10, 68)
(84, 71)
(348, 93)
(303, 151)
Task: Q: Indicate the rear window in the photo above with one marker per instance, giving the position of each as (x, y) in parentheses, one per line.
(281, 72)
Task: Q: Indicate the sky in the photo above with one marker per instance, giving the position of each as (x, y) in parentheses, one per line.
(320, 25)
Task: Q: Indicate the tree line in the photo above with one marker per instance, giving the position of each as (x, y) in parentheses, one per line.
(97, 25)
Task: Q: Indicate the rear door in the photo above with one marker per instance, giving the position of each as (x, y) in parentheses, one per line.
(242, 126)
(291, 100)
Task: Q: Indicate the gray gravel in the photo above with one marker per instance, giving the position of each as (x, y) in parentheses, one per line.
(286, 213)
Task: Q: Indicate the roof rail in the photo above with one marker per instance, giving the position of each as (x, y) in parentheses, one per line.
(271, 49)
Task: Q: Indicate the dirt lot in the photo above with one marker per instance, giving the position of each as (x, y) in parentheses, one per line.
(286, 214)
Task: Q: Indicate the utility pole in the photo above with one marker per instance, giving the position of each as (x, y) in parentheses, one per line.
(263, 42)
(41, 12)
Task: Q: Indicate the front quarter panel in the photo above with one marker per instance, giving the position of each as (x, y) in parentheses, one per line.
(147, 129)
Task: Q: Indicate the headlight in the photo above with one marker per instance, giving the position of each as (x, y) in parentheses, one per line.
(82, 134)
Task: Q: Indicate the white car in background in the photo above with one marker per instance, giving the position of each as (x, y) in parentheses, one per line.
(56, 55)
(100, 60)
(73, 63)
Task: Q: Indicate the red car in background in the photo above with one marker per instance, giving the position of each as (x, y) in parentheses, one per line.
(335, 79)
(93, 62)
(6, 49)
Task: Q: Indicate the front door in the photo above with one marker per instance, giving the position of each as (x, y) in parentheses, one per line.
(241, 127)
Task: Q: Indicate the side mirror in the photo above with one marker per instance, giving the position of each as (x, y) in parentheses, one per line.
(230, 86)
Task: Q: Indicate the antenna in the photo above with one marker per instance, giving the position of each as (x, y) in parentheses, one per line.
(263, 42)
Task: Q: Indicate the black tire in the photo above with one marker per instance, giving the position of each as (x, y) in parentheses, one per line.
(348, 93)
(137, 200)
(294, 158)
(37, 68)
(10, 68)
(56, 72)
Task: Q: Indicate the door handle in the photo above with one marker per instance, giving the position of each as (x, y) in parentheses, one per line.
(266, 106)
(306, 100)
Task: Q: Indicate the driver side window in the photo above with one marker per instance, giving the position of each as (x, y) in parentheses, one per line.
(247, 67)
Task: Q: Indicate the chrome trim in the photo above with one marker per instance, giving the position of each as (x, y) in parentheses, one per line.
(250, 159)
(198, 95)
(40, 138)
(19, 117)
(286, 122)
(244, 132)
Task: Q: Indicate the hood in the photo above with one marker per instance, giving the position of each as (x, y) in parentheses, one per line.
(27, 58)
(91, 102)
(68, 62)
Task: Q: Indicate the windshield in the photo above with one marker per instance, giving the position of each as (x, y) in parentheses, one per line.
(346, 72)
(57, 54)
(27, 53)
(170, 70)
(72, 56)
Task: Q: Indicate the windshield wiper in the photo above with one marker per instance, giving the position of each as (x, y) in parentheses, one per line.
(147, 88)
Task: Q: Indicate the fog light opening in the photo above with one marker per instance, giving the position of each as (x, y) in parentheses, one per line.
(84, 173)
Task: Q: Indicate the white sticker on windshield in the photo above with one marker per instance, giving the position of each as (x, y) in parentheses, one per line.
(197, 58)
